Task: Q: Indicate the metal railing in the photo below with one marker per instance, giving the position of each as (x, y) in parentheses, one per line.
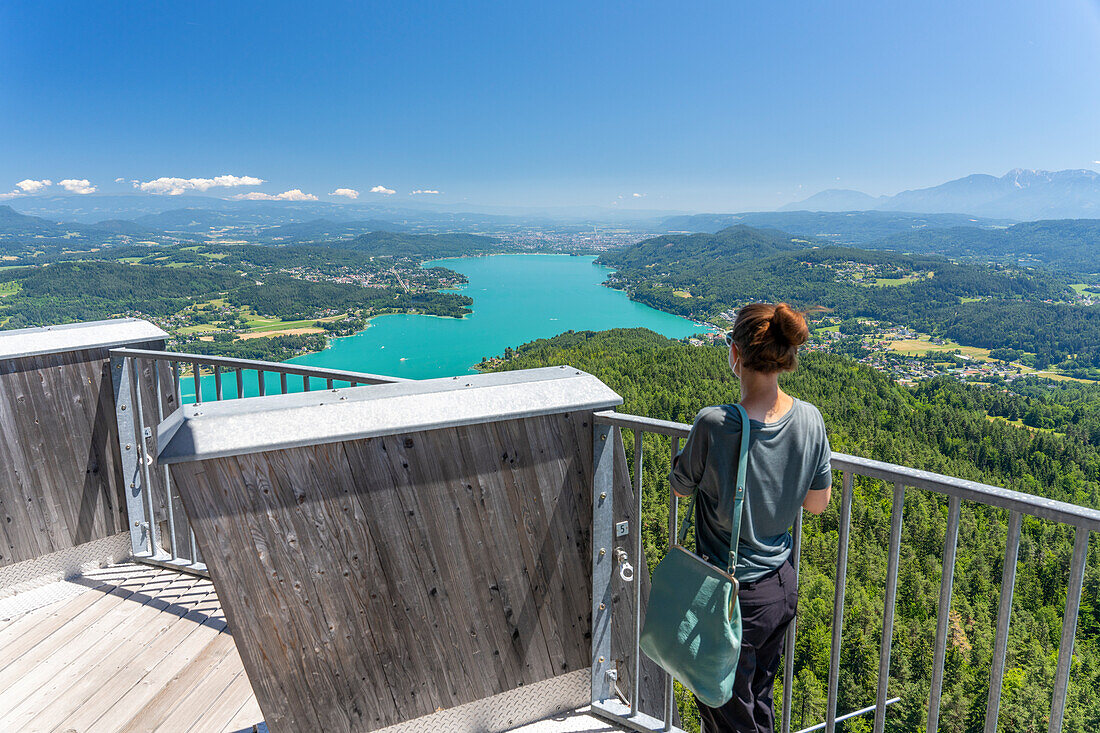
(1083, 520)
(148, 386)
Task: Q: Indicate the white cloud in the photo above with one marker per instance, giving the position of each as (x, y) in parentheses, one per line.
(77, 185)
(420, 191)
(1097, 162)
(350, 193)
(383, 190)
(119, 179)
(176, 186)
(12, 195)
(294, 194)
(29, 185)
(638, 195)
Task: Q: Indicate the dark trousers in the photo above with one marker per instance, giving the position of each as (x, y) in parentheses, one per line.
(767, 607)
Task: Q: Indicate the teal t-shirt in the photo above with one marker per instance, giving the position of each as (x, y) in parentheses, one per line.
(787, 458)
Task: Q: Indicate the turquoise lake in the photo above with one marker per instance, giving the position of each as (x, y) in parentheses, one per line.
(517, 298)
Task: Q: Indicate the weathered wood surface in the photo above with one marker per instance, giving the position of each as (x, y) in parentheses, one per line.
(61, 483)
(374, 581)
(142, 649)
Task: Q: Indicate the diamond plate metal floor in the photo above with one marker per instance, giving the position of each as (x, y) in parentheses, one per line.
(578, 721)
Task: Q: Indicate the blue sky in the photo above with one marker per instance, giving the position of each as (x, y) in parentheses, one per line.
(716, 106)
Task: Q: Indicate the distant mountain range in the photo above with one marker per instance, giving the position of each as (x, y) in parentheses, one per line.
(34, 232)
(1020, 194)
(842, 227)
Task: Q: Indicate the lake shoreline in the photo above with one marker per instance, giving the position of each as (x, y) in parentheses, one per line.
(518, 297)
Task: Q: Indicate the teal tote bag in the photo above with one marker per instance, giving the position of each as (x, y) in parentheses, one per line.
(693, 621)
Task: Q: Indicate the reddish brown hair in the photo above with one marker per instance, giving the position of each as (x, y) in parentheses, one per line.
(768, 336)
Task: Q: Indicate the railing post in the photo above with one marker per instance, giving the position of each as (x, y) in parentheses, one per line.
(635, 681)
(121, 381)
(838, 601)
(144, 458)
(943, 612)
(603, 516)
(1004, 616)
(888, 610)
(788, 643)
(172, 548)
(673, 531)
(1069, 627)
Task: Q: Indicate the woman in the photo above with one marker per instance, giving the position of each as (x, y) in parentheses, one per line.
(788, 468)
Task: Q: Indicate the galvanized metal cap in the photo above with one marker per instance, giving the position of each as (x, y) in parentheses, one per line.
(23, 342)
(255, 424)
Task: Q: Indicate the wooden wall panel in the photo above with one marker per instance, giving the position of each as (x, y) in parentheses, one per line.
(60, 474)
(378, 580)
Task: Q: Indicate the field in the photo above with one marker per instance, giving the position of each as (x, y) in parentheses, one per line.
(919, 346)
(681, 293)
(1020, 424)
(10, 288)
(280, 332)
(895, 281)
(197, 328)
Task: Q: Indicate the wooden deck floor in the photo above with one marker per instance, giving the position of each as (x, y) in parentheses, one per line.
(140, 649)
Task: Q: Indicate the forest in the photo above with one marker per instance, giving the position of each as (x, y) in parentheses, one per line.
(86, 291)
(1071, 245)
(291, 298)
(941, 426)
(160, 281)
(986, 305)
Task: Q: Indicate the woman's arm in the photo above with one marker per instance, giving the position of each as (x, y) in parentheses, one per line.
(817, 500)
(821, 488)
(689, 465)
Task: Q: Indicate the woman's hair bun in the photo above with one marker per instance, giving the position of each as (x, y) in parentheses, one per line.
(790, 325)
(768, 336)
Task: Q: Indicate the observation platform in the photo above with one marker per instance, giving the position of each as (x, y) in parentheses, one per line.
(362, 553)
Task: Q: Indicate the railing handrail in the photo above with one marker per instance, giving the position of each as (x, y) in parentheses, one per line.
(260, 365)
(1037, 506)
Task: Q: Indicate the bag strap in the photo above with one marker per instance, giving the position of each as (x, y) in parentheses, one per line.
(738, 495)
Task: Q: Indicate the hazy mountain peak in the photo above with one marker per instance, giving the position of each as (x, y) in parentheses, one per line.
(1020, 194)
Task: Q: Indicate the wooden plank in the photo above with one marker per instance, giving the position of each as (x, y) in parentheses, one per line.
(153, 679)
(193, 704)
(226, 707)
(57, 630)
(405, 575)
(153, 632)
(23, 632)
(153, 712)
(245, 718)
(269, 607)
(433, 570)
(46, 660)
(474, 462)
(79, 673)
(83, 707)
(563, 484)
